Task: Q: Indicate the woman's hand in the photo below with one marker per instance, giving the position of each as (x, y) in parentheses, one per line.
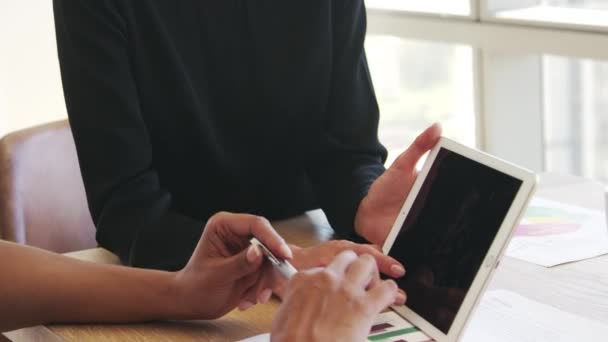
(337, 303)
(321, 255)
(225, 267)
(378, 210)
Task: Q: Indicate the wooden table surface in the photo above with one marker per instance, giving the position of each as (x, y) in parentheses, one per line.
(580, 288)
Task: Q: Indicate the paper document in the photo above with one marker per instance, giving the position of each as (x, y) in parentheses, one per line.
(553, 233)
(257, 338)
(390, 327)
(504, 316)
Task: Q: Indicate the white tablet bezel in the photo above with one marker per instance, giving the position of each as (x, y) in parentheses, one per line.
(496, 250)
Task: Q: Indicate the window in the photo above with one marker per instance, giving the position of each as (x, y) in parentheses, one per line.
(456, 7)
(573, 12)
(526, 80)
(418, 83)
(576, 116)
(30, 84)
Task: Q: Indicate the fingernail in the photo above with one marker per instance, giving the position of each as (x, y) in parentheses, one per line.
(245, 305)
(253, 253)
(286, 251)
(265, 296)
(400, 297)
(397, 270)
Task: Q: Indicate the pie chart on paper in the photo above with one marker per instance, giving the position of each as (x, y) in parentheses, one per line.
(553, 233)
(543, 221)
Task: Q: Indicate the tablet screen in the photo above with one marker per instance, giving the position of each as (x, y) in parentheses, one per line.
(448, 231)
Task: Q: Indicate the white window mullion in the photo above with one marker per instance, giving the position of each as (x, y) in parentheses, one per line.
(513, 107)
(476, 9)
(588, 119)
(479, 96)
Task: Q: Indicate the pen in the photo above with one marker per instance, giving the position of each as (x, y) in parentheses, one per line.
(283, 266)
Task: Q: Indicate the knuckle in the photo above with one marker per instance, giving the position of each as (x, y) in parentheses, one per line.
(300, 277)
(220, 216)
(343, 244)
(367, 259)
(305, 276)
(334, 243)
(349, 253)
(358, 304)
(370, 249)
(261, 221)
(325, 260)
(216, 219)
(349, 292)
(298, 282)
(326, 279)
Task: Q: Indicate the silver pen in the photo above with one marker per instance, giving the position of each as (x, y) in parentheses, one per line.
(283, 266)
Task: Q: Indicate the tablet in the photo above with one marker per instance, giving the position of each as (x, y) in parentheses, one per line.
(452, 230)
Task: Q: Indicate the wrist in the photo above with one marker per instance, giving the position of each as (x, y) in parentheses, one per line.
(360, 226)
(173, 308)
(368, 226)
(178, 303)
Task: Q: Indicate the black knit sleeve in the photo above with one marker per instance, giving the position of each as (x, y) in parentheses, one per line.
(349, 157)
(132, 212)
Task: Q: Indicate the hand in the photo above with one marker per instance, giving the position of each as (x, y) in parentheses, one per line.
(225, 267)
(321, 255)
(379, 209)
(337, 303)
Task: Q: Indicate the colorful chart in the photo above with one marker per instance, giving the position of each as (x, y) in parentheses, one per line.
(543, 221)
(390, 327)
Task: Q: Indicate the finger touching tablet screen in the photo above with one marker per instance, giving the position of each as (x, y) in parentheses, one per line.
(451, 231)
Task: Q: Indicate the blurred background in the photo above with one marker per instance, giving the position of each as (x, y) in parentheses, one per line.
(526, 80)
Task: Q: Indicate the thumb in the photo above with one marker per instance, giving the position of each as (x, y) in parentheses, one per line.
(423, 143)
(243, 264)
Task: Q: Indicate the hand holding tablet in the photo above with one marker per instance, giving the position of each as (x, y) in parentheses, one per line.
(377, 210)
(451, 232)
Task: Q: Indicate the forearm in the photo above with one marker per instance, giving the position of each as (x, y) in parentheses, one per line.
(348, 158)
(42, 287)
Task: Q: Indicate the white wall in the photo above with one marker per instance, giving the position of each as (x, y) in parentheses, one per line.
(30, 83)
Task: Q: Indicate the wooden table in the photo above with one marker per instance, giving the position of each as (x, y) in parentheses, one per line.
(580, 288)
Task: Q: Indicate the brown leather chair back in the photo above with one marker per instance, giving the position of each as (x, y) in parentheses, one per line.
(42, 197)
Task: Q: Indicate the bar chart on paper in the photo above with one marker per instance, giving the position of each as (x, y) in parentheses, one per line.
(390, 327)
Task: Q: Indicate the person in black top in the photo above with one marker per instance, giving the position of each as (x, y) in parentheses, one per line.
(182, 109)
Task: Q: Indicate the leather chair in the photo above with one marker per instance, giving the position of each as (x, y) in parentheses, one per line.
(42, 197)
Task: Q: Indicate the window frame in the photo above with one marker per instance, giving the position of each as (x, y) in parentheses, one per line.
(472, 4)
(485, 14)
(497, 41)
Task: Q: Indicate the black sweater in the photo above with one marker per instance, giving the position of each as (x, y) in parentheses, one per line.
(183, 108)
